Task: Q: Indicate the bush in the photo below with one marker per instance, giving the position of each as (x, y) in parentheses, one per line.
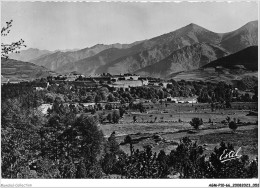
(223, 122)
(232, 125)
(188, 159)
(109, 159)
(115, 116)
(134, 119)
(109, 118)
(196, 122)
(121, 111)
(146, 164)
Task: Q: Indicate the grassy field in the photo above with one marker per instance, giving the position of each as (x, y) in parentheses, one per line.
(170, 131)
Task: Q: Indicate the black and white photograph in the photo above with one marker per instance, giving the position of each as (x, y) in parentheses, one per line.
(109, 93)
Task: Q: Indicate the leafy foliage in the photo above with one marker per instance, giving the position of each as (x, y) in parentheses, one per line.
(233, 126)
(188, 159)
(14, 46)
(115, 116)
(235, 168)
(111, 153)
(19, 137)
(59, 147)
(196, 122)
(145, 164)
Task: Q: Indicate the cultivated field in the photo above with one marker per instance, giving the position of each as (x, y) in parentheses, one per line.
(160, 127)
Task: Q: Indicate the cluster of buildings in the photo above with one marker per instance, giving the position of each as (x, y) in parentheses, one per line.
(190, 100)
(121, 81)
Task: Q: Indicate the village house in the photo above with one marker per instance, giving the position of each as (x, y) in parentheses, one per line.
(115, 105)
(44, 108)
(41, 86)
(125, 77)
(190, 100)
(125, 84)
(172, 99)
(90, 104)
(164, 84)
(4, 80)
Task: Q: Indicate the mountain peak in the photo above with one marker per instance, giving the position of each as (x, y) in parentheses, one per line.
(194, 26)
(191, 28)
(97, 45)
(255, 22)
(252, 24)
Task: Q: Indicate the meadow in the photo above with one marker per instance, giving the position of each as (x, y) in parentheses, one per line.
(160, 127)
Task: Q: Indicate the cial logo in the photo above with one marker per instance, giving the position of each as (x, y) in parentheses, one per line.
(228, 155)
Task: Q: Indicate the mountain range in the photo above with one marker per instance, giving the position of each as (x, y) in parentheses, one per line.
(184, 49)
(184, 59)
(59, 58)
(29, 54)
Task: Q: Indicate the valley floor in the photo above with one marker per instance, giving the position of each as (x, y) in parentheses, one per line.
(168, 131)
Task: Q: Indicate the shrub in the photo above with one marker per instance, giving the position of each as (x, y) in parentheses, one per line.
(223, 121)
(111, 151)
(232, 125)
(134, 119)
(121, 111)
(115, 116)
(109, 117)
(128, 140)
(146, 164)
(196, 122)
(188, 159)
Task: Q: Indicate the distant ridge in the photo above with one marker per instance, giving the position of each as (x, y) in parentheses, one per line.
(59, 58)
(29, 54)
(247, 58)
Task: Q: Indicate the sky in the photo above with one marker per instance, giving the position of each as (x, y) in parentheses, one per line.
(70, 25)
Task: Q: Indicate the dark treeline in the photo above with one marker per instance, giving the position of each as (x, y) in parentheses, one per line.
(205, 91)
(187, 161)
(60, 145)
